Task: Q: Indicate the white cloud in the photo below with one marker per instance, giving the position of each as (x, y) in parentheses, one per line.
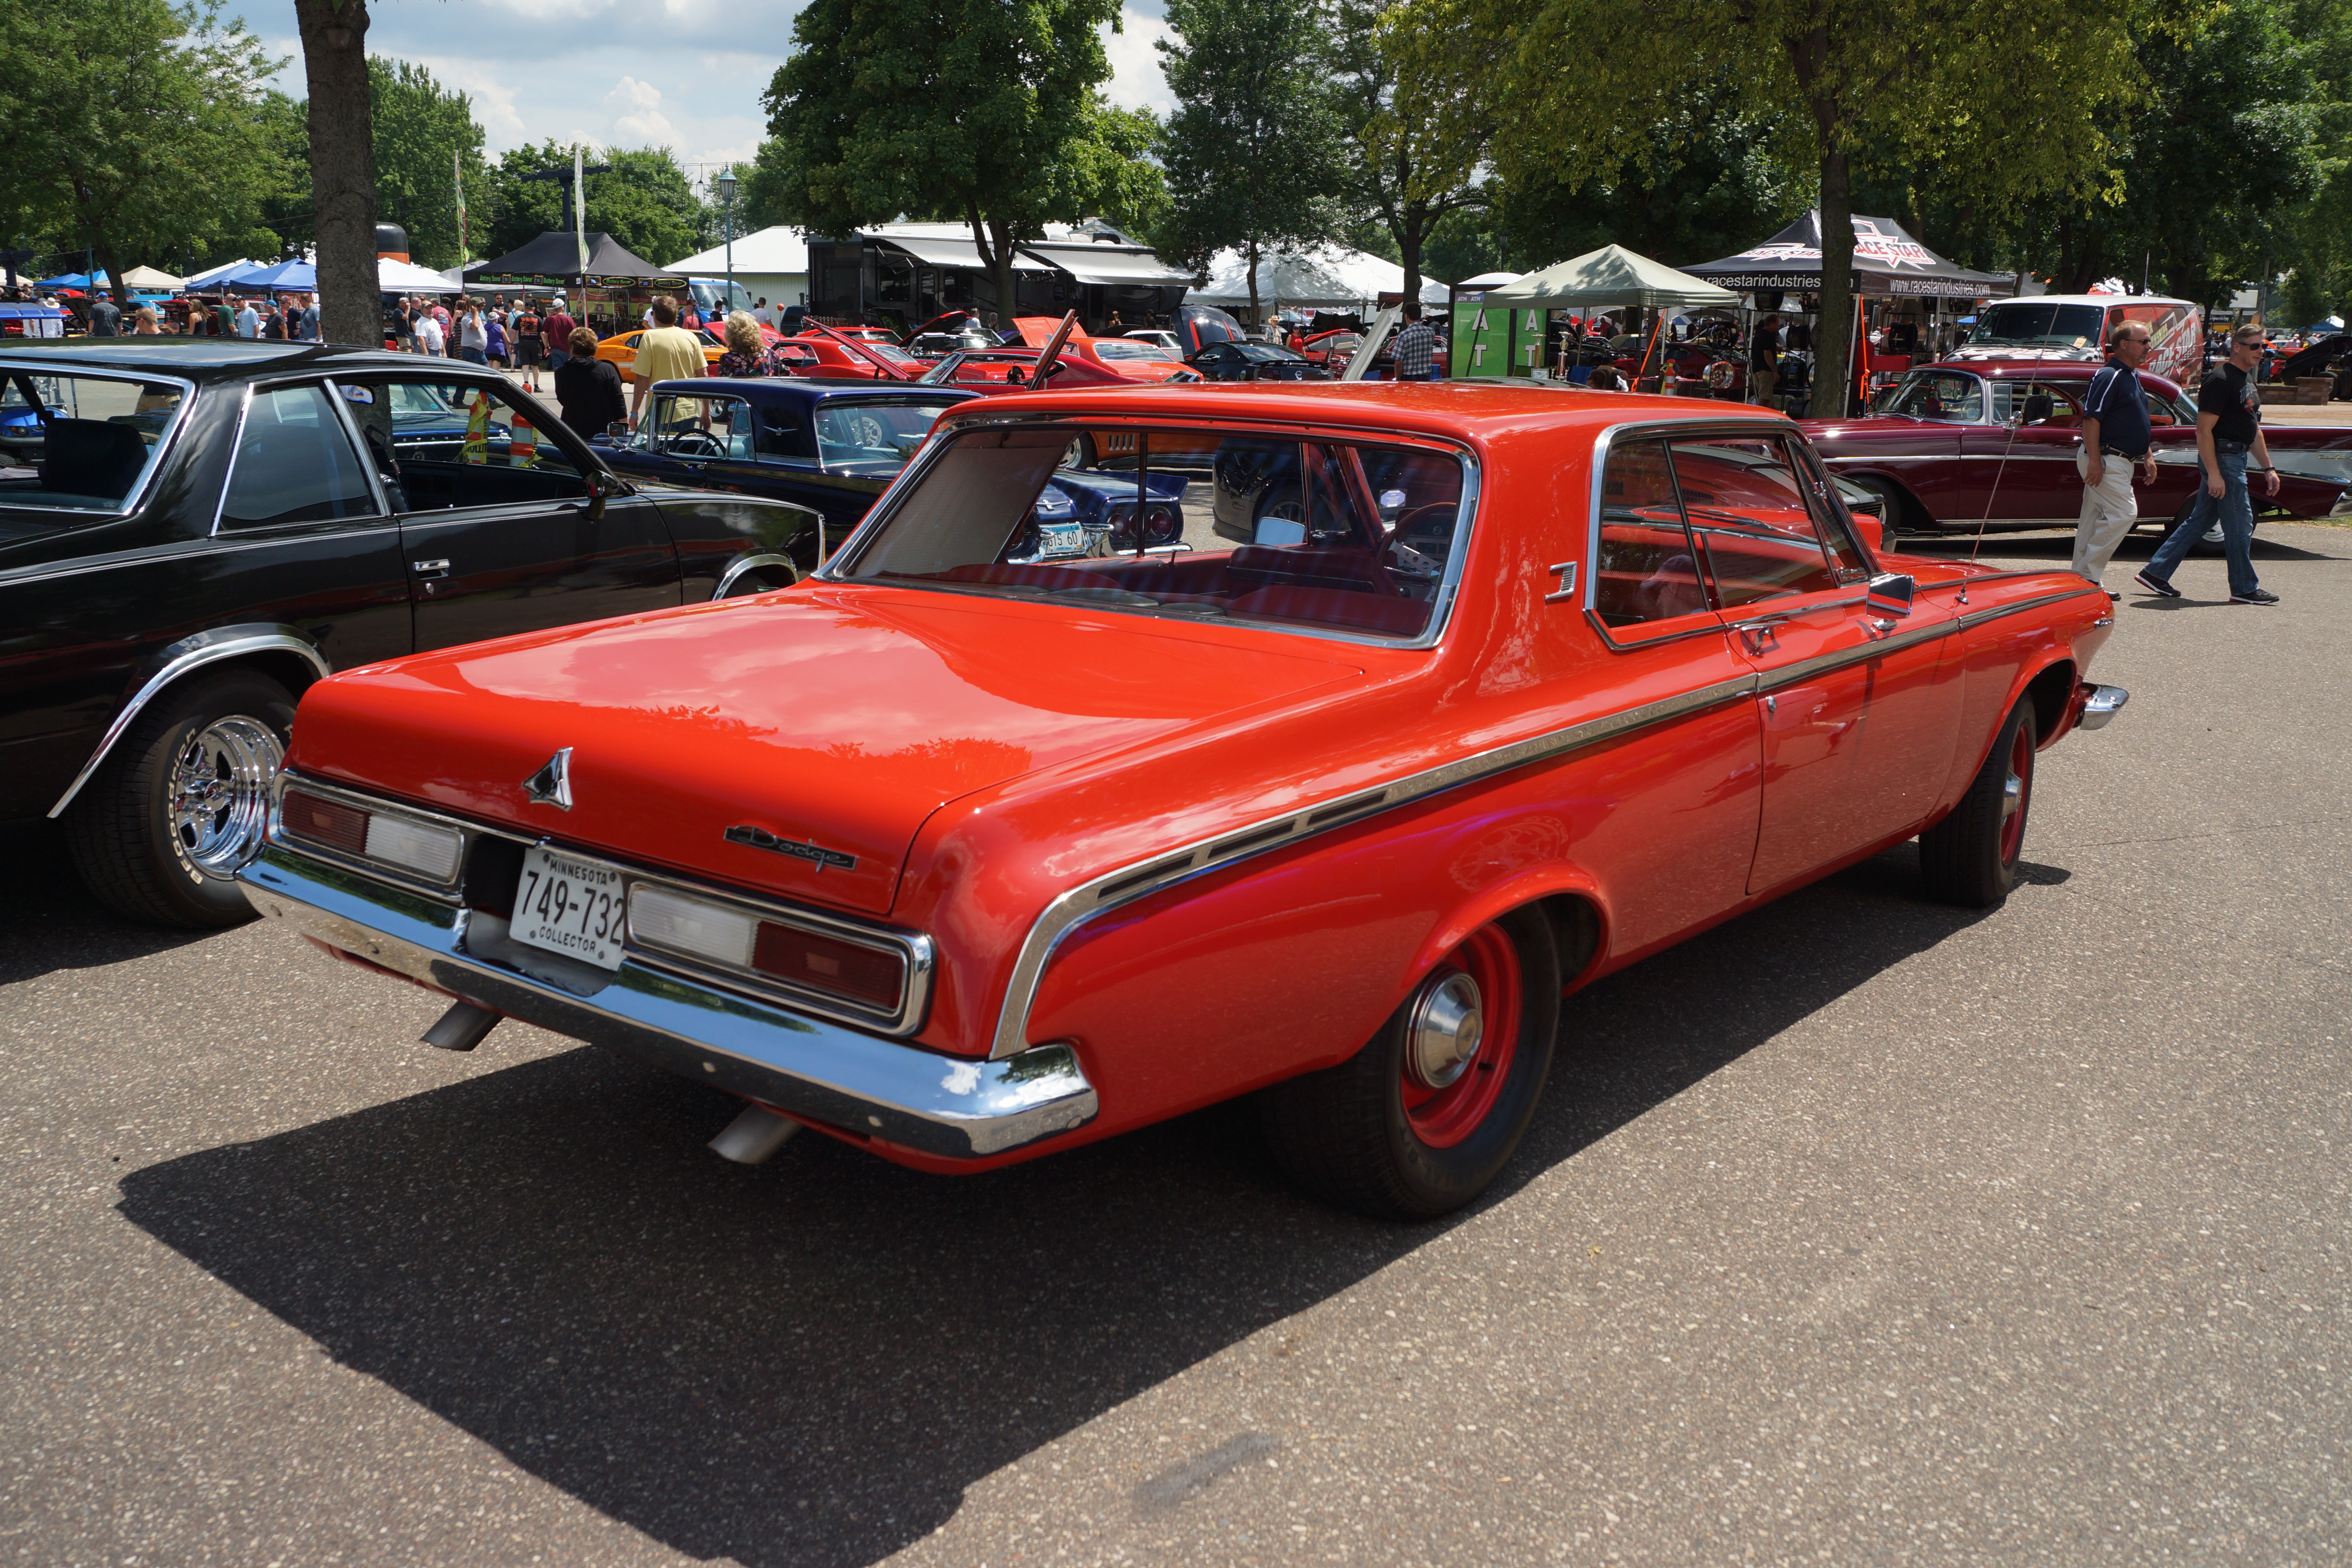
(1137, 80)
(637, 114)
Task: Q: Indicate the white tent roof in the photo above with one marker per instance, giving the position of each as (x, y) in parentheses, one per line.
(1608, 278)
(1490, 280)
(1332, 276)
(151, 277)
(400, 278)
(779, 249)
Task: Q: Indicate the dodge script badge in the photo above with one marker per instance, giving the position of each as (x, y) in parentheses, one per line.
(551, 785)
(760, 838)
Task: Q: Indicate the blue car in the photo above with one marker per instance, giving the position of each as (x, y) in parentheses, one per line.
(835, 445)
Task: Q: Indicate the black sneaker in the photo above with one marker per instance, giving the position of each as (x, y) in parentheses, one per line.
(2254, 596)
(2162, 590)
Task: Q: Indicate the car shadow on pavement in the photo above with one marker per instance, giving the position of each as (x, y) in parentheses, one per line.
(808, 1361)
(2058, 548)
(52, 923)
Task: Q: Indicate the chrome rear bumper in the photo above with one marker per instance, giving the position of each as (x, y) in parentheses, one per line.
(2101, 704)
(951, 1105)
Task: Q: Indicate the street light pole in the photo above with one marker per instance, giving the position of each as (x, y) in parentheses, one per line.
(727, 194)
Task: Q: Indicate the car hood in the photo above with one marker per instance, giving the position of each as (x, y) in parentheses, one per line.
(837, 718)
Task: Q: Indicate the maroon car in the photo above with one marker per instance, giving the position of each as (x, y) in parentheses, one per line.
(1938, 447)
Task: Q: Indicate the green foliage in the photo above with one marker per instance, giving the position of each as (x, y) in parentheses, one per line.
(1402, 171)
(421, 127)
(645, 201)
(1256, 152)
(2218, 160)
(969, 110)
(134, 127)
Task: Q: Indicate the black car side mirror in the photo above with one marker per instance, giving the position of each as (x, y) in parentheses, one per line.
(599, 486)
(2038, 408)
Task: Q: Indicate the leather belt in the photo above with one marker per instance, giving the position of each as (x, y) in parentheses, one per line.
(2232, 446)
(2119, 452)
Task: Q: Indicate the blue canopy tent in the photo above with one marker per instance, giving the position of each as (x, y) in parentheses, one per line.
(71, 281)
(258, 279)
(214, 277)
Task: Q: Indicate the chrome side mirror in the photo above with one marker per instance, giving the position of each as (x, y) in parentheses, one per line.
(1891, 594)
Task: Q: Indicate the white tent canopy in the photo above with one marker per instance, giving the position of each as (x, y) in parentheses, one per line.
(150, 278)
(1611, 276)
(779, 249)
(1334, 277)
(400, 278)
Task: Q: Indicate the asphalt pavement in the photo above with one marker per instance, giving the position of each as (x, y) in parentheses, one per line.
(1860, 1230)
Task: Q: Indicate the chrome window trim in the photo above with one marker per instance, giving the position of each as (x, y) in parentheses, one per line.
(1441, 598)
(915, 948)
(164, 444)
(235, 444)
(178, 666)
(1154, 873)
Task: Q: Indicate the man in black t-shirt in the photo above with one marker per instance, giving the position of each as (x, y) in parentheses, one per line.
(1763, 360)
(2228, 426)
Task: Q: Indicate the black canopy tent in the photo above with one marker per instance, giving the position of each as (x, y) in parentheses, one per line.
(612, 287)
(1886, 260)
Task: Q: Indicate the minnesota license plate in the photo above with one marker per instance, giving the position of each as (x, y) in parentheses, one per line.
(1061, 541)
(571, 906)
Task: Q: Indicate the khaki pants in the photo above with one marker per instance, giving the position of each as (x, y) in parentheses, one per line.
(2109, 513)
(1760, 385)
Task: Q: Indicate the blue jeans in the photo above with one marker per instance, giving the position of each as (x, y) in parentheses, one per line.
(472, 356)
(2237, 517)
(555, 359)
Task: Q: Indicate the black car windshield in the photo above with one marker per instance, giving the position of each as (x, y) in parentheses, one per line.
(1357, 538)
(1261, 352)
(871, 436)
(79, 443)
(2038, 323)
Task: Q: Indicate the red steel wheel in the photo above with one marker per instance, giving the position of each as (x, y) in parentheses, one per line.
(2016, 793)
(1970, 857)
(1425, 1116)
(1462, 1029)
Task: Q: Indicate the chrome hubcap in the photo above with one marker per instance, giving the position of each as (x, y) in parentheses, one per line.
(2012, 796)
(219, 800)
(1446, 1027)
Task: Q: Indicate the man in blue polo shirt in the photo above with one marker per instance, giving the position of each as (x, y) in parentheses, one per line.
(2114, 436)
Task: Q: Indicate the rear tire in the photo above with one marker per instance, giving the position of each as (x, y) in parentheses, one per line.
(1970, 857)
(1396, 1134)
(161, 828)
(1893, 506)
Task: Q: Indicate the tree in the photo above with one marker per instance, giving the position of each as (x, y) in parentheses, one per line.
(2010, 89)
(968, 110)
(1256, 151)
(644, 200)
(343, 168)
(130, 125)
(1399, 169)
(426, 136)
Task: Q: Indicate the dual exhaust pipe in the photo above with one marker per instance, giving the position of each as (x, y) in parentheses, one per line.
(751, 1139)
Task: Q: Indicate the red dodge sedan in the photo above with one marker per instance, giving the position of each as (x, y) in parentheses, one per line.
(1501, 691)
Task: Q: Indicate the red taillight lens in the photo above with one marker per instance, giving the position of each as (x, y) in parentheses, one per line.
(1161, 525)
(821, 963)
(326, 822)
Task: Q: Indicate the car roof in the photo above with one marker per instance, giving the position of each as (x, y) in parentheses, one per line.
(1440, 409)
(810, 388)
(2100, 300)
(204, 360)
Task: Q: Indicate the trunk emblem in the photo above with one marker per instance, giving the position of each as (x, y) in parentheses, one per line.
(760, 838)
(551, 785)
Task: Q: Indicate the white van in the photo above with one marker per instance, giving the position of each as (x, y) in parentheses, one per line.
(2077, 326)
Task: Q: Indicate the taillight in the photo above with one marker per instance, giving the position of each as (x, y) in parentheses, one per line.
(425, 848)
(730, 937)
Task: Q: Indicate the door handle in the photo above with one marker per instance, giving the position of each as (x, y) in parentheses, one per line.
(430, 568)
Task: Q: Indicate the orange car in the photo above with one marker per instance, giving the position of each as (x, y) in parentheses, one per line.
(1127, 358)
(621, 349)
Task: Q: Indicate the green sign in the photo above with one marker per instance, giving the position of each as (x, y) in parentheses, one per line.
(1492, 341)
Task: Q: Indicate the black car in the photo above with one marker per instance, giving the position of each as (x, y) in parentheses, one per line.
(833, 445)
(1256, 361)
(192, 531)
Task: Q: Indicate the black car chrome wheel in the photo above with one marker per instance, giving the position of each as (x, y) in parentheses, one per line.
(162, 828)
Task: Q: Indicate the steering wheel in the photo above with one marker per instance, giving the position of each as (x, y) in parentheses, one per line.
(696, 443)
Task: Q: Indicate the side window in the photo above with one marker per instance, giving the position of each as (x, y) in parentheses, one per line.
(703, 427)
(1647, 570)
(781, 435)
(2009, 396)
(1747, 508)
(294, 463)
(454, 443)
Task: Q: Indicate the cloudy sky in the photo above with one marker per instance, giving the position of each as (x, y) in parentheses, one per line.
(687, 74)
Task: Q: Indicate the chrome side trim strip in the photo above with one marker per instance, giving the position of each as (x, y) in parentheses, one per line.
(955, 1107)
(742, 563)
(1821, 664)
(194, 653)
(1140, 879)
(1979, 618)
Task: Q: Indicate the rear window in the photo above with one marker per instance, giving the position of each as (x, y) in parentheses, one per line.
(1357, 538)
(2035, 324)
(81, 443)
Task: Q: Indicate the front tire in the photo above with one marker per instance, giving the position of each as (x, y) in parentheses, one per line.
(180, 805)
(1424, 1118)
(1970, 857)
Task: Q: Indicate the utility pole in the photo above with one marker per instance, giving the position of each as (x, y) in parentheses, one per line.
(727, 193)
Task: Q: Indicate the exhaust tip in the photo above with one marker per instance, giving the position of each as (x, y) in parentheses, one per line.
(461, 1029)
(753, 1137)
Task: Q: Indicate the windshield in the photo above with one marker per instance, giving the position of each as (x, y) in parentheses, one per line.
(1261, 352)
(1122, 348)
(1352, 537)
(79, 443)
(867, 437)
(2037, 323)
(1940, 395)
